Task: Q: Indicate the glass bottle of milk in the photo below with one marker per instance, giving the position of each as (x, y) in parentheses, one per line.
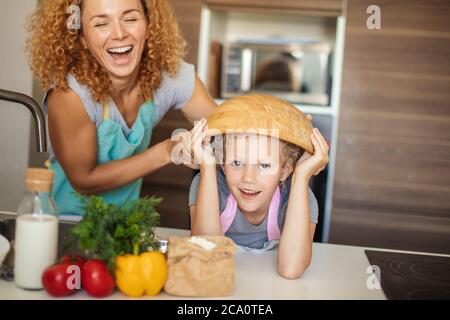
(36, 241)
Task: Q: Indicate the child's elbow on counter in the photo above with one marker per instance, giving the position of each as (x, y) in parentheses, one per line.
(293, 272)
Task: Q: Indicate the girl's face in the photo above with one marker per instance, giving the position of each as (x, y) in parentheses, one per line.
(253, 169)
(115, 32)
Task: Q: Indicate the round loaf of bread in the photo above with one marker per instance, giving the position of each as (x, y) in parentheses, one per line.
(262, 114)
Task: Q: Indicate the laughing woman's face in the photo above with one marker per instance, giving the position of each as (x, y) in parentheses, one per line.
(115, 32)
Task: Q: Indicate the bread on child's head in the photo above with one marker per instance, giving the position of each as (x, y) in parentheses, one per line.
(262, 114)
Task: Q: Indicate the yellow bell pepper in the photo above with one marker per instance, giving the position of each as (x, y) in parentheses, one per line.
(143, 274)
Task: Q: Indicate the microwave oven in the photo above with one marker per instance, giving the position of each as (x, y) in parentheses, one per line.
(297, 71)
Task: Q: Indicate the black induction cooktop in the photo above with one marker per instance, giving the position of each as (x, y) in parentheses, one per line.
(412, 276)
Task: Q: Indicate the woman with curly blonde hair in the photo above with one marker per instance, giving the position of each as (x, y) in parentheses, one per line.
(109, 80)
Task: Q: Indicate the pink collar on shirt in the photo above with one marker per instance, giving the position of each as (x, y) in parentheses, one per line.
(273, 231)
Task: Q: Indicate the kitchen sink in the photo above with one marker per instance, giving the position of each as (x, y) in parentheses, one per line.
(7, 229)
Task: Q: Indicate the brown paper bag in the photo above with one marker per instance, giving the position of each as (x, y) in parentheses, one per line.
(194, 271)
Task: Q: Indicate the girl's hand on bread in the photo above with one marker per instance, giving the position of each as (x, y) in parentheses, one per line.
(309, 165)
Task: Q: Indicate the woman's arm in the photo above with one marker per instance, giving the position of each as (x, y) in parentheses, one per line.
(295, 250)
(201, 103)
(74, 141)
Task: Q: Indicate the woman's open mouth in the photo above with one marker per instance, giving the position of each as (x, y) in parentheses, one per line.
(121, 55)
(249, 194)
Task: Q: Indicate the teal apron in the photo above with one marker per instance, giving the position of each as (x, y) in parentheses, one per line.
(112, 145)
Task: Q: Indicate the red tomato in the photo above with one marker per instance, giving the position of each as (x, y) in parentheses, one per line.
(96, 278)
(61, 279)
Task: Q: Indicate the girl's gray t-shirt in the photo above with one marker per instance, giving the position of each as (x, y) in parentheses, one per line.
(173, 92)
(243, 232)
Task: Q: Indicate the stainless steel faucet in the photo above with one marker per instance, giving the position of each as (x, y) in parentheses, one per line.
(36, 111)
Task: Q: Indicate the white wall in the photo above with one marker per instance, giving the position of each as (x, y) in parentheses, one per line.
(15, 120)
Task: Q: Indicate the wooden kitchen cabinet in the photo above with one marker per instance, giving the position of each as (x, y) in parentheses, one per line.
(309, 7)
(392, 174)
(173, 181)
(187, 14)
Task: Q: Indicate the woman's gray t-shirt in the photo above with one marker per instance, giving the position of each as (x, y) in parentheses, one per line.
(243, 232)
(173, 92)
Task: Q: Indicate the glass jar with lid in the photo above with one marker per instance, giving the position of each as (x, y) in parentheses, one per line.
(36, 239)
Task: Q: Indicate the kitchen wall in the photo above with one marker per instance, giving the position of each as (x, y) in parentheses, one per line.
(15, 121)
(392, 177)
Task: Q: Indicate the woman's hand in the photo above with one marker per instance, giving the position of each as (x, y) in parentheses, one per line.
(201, 145)
(309, 165)
(193, 148)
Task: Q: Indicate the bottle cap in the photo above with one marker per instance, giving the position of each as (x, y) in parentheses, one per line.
(39, 180)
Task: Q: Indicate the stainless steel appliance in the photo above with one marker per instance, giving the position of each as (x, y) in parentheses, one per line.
(296, 70)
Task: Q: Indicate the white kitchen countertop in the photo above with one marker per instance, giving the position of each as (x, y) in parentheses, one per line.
(336, 272)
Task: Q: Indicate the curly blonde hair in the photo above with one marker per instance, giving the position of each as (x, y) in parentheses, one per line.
(54, 50)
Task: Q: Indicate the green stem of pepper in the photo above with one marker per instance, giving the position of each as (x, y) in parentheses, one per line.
(136, 248)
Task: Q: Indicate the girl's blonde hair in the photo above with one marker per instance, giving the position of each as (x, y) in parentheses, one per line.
(291, 152)
(54, 50)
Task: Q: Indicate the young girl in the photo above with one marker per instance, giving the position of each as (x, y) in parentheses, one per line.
(260, 197)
